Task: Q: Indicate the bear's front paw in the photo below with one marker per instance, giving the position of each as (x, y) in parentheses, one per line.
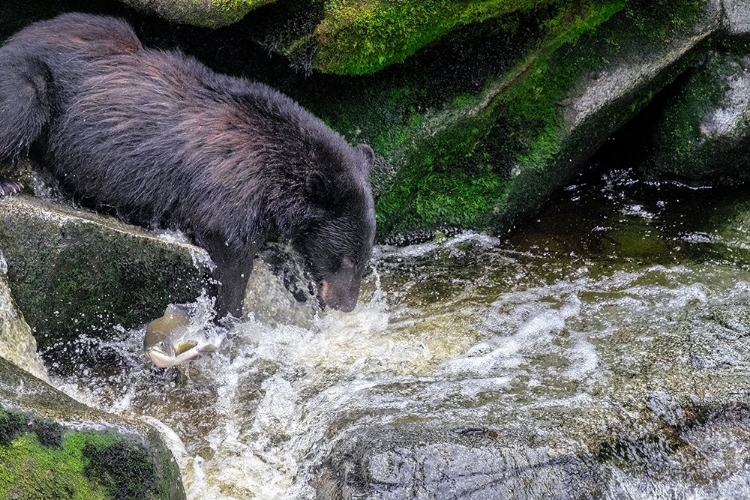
(9, 188)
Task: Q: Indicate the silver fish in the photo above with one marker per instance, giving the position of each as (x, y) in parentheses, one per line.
(170, 340)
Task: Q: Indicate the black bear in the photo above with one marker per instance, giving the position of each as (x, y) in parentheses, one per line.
(161, 137)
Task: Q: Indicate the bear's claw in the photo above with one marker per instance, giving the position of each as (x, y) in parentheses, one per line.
(9, 188)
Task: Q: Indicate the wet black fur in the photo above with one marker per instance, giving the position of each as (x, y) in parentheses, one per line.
(161, 137)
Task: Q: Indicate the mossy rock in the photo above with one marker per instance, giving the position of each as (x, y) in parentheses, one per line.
(704, 130)
(54, 447)
(74, 272)
(205, 13)
(478, 129)
(350, 37)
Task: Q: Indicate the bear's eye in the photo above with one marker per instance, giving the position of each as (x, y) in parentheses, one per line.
(347, 263)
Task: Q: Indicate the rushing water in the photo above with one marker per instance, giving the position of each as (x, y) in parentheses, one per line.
(596, 353)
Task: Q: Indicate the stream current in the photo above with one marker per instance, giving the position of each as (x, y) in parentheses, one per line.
(599, 352)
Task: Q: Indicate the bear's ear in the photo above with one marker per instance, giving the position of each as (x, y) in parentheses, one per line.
(369, 156)
(318, 189)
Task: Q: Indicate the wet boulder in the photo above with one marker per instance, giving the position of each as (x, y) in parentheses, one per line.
(73, 272)
(17, 344)
(465, 463)
(51, 446)
(704, 131)
(738, 16)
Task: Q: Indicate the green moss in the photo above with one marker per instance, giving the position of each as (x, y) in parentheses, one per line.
(475, 129)
(83, 465)
(361, 37)
(34, 468)
(531, 103)
(457, 177)
(547, 154)
(12, 425)
(680, 132)
(447, 184)
(31, 471)
(125, 470)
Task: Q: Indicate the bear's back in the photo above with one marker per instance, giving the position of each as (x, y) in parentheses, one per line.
(81, 35)
(157, 132)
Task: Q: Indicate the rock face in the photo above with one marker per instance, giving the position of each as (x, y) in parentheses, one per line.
(738, 16)
(54, 447)
(704, 130)
(73, 272)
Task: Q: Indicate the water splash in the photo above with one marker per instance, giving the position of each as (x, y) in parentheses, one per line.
(571, 338)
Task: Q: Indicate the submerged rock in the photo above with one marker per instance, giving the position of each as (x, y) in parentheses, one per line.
(704, 131)
(468, 463)
(489, 437)
(54, 447)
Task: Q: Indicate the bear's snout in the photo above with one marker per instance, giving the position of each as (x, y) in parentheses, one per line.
(340, 296)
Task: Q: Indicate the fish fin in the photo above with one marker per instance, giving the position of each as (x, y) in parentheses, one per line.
(185, 346)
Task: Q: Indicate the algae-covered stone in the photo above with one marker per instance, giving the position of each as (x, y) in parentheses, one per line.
(73, 272)
(54, 447)
(704, 131)
(350, 37)
(208, 13)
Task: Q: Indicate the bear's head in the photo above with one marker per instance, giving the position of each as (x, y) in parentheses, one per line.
(338, 241)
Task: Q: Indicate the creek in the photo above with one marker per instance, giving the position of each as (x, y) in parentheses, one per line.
(598, 352)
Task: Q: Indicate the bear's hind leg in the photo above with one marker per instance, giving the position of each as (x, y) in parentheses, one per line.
(25, 102)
